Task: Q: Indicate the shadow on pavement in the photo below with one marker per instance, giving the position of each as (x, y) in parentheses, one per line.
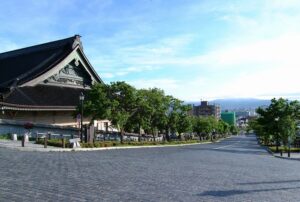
(232, 150)
(239, 192)
(240, 145)
(269, 182)
(237, 151)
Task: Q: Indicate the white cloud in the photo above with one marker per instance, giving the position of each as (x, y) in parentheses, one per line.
(268, 83)
(184, 90)
(107, 75)
(271, 68)
(282, 50)
(280, 4)
(169, 85)
(126, 71)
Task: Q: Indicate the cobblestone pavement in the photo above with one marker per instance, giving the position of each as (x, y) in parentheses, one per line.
(236, 169)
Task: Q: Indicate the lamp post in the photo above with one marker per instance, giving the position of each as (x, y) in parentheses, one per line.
(2, 110)
(277, 134)
(81, 98)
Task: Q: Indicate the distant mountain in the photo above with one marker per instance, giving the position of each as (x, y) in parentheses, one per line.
(237, 103)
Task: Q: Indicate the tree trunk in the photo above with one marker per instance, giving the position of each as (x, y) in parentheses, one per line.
(140, 133)
(167, 135)
(122, 135)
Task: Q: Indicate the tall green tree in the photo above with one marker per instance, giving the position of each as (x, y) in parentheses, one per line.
(185, 123)
(141, 118)
(205, 126)
(159, 104)
(123, 105)
(97, 104)
(223, 128)
(278, 120)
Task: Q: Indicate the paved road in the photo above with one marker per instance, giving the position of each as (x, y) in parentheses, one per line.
(236, 169)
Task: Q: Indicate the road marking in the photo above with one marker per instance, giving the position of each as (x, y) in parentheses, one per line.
(226, 145)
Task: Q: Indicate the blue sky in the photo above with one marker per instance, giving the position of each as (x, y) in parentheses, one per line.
(193, 49)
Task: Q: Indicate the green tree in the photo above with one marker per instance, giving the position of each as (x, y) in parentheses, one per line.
(223, 128)
(287, 129)
(184, 123)
(123, 105)
(97, 103)
(278, 120)
(205, 126)
(197, 126)
(141, 118)
(234, 130)
(152, 109)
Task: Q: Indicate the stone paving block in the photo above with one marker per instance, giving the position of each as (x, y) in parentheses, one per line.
(239, 170)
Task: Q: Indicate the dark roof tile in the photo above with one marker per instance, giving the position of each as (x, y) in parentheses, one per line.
(29, 62)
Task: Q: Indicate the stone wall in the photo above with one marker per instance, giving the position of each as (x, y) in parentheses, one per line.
(60, 118)
(17, 127)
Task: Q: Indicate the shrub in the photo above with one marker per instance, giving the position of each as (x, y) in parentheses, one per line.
(54, 143)
(5, 136)
(285, 149)
(97, 144)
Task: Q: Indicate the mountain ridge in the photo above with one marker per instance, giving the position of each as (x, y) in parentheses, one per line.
(237, 103)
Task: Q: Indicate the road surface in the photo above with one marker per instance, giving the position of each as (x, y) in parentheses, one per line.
(236, 169)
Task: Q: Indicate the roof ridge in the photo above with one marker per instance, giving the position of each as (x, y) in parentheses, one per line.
(38, 47)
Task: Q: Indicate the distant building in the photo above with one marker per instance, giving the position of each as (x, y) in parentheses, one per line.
(229, 117)
(240, 114)
(205, 109)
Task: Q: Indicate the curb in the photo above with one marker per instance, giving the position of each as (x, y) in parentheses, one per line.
(287, 158)
(272, 153)
(280, 157)
(102, 148)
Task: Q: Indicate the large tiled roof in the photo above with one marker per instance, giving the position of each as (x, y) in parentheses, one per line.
(21, 66)
(27, 63)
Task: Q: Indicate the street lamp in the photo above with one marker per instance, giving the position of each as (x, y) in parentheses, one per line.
(2, 110)
(277, 134)
(81, 98)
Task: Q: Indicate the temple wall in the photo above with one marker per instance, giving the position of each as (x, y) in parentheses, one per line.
(53, 122)
(17, 127)
(51, 118)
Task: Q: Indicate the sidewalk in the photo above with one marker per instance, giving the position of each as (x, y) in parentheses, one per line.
(30, 146)
(293, 156)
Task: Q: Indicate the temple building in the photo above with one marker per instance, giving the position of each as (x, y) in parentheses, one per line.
(42, 83)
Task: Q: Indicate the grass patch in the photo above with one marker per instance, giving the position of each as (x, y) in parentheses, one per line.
(284, 149)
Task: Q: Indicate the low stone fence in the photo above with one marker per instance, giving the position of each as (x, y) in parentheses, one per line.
(127, 137)
(17, 127)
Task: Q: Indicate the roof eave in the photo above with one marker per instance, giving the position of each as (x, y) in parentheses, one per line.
(16, 107)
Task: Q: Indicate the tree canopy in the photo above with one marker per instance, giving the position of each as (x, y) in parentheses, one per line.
(277, 122)
(132, 110)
